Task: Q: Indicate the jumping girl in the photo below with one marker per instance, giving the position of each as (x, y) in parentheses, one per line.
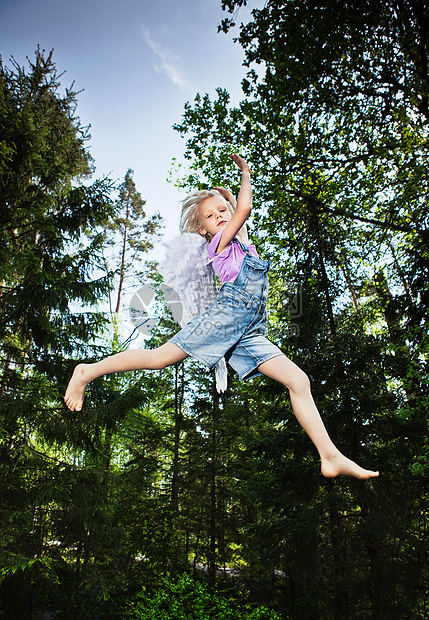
(233, 325)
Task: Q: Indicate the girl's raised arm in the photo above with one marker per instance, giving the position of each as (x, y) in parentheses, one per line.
(244, 204)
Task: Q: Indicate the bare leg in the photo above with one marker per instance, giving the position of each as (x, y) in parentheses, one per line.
(333, 462)
(134, 359)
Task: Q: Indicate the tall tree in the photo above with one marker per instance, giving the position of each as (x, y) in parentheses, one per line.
(132, 234)
(51, 222)
(332, 54)
(45, 209)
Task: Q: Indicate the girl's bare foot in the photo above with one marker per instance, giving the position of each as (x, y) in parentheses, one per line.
(339, 465)
(76, 387)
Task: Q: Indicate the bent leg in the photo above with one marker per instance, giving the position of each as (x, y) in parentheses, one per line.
(289, 374)
(133, 359)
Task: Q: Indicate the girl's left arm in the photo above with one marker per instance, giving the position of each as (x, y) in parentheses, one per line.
(244, 205)
(227, 195)
(242, 233)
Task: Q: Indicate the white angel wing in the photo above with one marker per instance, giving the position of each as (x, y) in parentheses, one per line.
(188, 272)
(189, 285)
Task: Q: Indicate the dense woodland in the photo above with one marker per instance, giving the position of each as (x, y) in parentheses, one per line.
(162, 499)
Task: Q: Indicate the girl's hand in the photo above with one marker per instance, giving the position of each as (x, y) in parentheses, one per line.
(241, 163)
(227, 195)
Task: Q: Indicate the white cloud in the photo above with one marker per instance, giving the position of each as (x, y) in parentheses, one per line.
(171, 63)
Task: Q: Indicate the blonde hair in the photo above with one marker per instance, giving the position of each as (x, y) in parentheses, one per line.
(189, 217)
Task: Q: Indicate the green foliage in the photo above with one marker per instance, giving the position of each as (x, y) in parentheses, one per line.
(190, 599)
(420, 467)
(158, 474)
(338, 53)
(129, 234)
(335, 127)
(45, 564)
(60, 499)
(46, 265)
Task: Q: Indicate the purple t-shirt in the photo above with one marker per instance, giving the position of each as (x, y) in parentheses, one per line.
(228, 263)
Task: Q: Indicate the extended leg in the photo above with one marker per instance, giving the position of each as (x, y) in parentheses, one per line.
(134, 359)
(334, 463)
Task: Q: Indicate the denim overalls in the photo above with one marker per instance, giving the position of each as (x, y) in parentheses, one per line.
(233, 325)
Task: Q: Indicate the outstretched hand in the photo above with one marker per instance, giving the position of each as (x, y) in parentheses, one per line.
(244, 167)
(241, 163)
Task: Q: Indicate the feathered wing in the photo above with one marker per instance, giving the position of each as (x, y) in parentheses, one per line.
(187, 271)
(189, 285)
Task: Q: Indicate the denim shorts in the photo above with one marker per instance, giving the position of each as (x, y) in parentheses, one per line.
(233, 325)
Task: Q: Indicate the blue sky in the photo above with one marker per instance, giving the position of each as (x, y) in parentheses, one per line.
(137, 62)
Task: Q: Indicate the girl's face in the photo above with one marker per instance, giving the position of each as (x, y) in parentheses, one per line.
(213, 216)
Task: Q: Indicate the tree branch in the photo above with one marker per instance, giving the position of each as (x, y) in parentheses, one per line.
(366, 220)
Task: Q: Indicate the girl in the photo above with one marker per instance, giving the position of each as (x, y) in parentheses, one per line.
(232, 326)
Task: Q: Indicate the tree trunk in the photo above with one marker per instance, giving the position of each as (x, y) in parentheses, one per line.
(341, 597)
(122, 269)
(178, 417)
(347, 276)
(213, 506)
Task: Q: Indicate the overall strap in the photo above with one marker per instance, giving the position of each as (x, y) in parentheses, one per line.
(242, 246)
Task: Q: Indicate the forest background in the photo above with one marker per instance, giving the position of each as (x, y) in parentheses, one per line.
(162, 499)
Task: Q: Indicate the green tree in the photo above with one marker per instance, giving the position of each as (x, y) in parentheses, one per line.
(132, 234)
(51, 222)
(45, 210)
(338, 159)
(332, 55)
